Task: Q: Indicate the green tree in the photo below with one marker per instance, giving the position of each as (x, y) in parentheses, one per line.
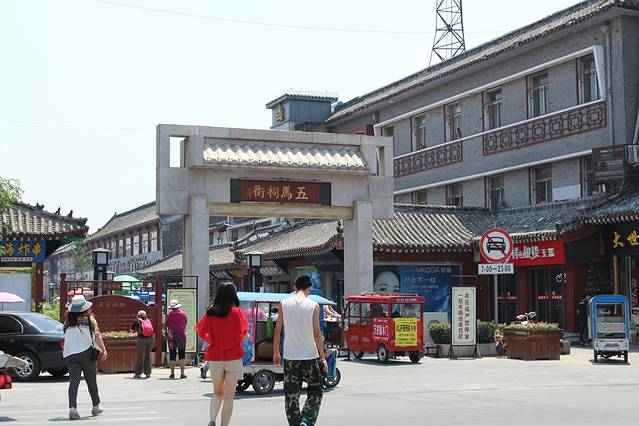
(81, 260)
(10, 193)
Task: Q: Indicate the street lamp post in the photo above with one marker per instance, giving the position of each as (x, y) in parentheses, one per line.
(254, 260)
(100, 263)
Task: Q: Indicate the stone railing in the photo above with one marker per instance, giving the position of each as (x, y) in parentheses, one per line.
(428, 158)
(554, 126)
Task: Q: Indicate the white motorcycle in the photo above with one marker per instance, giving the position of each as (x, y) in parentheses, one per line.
(8, 363)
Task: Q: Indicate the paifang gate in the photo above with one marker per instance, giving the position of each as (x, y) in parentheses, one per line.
(265, 173)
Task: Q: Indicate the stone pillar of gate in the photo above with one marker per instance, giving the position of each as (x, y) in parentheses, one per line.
(195, 255)
(358, 250)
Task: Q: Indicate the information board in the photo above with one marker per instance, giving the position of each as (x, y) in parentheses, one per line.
(405, 331)
(464, 327)
(188, 299)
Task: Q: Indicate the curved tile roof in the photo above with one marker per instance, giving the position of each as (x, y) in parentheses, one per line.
(25, 221)
(118, 222)
(273, 155)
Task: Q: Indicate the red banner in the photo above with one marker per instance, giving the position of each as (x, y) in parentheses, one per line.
(280, 192)
(541, 253)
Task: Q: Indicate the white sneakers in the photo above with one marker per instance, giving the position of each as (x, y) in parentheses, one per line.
(95, 411)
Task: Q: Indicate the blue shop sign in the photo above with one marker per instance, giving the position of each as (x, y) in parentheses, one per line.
(22, 251)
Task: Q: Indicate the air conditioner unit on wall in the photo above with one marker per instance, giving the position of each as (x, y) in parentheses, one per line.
(632, 154)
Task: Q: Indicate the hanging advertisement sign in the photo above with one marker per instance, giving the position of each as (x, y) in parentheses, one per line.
(464, 327)
(406, 331)
(188, 299)
(540, 253)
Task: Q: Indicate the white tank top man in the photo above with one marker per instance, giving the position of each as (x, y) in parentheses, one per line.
(303, 345)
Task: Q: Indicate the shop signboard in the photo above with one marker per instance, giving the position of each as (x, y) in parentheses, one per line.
(464, 327)
(622, 238)
(188, 299)
(280, 191)
(22, 251)
(539, 253)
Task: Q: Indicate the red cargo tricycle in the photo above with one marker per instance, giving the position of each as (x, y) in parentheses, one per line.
(388, 324)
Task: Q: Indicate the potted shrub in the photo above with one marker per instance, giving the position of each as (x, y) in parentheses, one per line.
(121, 346)
(441, 335)
(486, 338)
(532, 341)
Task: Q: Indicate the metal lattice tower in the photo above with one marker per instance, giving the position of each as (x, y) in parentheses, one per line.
(449, 30)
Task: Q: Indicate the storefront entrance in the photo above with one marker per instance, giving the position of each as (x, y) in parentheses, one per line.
(548, 292)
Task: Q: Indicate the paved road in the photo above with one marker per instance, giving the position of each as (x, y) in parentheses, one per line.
(438, 391)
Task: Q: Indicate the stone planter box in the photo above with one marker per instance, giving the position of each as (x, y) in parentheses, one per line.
(485, 350)
(121, 358)
(533, 344)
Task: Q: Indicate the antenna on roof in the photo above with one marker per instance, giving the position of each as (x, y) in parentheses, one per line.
(449, 30)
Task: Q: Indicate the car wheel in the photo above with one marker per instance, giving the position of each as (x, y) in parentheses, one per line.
(625, 357)
(31, 370)
(242, 385)
(358, 354)
(415, 356)
(382, 354)
(58, 372)
(331, 382)
(263, 382)
(596, 356)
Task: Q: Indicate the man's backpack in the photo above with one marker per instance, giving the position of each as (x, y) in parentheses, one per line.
(147, 328)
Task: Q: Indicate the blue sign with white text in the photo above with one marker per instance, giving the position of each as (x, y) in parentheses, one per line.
(22, 251)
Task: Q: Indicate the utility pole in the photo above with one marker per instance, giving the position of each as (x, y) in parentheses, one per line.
(449, 30)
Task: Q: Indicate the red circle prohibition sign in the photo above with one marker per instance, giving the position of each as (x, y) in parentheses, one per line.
(496, 246)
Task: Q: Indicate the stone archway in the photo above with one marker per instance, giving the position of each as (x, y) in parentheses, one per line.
(265, 173)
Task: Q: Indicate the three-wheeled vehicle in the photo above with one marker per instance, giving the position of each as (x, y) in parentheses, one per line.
(609, 326)
(388, 324)
(261, 310)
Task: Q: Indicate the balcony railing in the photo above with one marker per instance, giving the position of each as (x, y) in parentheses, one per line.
(547, 128)
(427, 159)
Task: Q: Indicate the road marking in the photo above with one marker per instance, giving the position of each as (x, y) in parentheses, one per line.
(101, 419)
(57, 408)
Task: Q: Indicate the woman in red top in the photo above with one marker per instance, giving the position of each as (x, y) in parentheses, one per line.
(224, 327)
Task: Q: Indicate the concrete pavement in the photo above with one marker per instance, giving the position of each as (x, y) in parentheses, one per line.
(438, 391)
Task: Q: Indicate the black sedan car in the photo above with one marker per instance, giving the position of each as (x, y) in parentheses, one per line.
(36, 338)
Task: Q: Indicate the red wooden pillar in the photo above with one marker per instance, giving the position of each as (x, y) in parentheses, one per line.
(523, 293)
(63, 294)
(36, 289)
(158, 315)
(575, 290)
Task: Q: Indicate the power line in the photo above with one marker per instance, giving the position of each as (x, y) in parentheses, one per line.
(74, 126)
(275, 25)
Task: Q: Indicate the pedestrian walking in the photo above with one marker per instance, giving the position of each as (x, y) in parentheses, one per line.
(83, 345)
(582, 311)
(223, 328)
(176, 337)
(303, 345)
(143, 326)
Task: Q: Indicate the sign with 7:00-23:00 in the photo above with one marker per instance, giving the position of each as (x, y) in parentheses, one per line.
(280, 191)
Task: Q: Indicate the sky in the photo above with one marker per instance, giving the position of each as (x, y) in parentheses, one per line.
(83, 83)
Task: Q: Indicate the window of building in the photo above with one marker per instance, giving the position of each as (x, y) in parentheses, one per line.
(541, 184)
(492, 109)
(388, 131)
(538, 95)
(145, 242)
(453, 121)
(418, 125)
(121, 248)
(455, 195)
(235, 234)
(153, 235)
(420, 197)
(587, 177)
(127, 244)
(495, 192)
(136, 245)
(587, 76)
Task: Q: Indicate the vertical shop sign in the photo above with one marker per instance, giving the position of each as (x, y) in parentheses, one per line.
(464, 328)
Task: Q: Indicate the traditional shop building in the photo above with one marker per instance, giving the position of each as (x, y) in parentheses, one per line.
(31, 234)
